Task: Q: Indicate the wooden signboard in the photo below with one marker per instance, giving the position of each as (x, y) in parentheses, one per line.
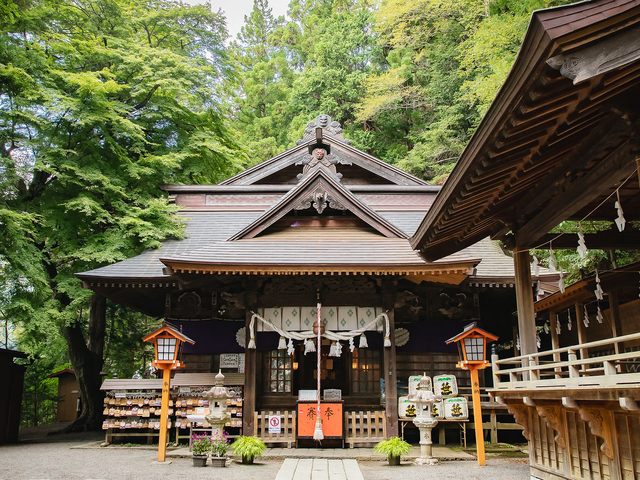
(332, 420)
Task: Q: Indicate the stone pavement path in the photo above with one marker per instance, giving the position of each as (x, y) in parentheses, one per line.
(319, 469)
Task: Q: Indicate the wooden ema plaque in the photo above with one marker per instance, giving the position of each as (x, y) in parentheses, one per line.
(331, 414)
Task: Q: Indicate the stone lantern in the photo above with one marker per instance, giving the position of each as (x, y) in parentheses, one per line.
(218, 396)
(424, 398)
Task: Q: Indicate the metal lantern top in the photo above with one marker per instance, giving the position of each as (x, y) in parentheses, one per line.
(168, 343)
(472, 346)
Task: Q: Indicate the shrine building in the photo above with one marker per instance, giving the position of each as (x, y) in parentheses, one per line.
(322, 223)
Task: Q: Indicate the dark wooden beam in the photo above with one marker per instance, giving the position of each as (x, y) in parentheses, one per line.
(607, 240)
(250, 368)
(389, 364)
(600, 180)
(550, 183)
(608, 54)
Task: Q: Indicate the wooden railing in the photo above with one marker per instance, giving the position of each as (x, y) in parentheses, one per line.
(365, 427)
(535, 371)
(287, 431)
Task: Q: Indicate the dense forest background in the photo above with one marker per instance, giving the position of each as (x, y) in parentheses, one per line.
(103, 101)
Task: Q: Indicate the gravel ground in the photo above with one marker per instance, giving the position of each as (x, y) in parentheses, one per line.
(61, 457)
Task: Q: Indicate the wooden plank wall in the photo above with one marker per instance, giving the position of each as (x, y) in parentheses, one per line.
(582, 458)
(198, 363)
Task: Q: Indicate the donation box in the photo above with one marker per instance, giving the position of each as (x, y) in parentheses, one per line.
(331, 414)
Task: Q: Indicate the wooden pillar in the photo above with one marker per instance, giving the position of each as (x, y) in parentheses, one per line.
(555, 340)
(524, 301)
(390, 376)
(582, 330)
(249, 403)
(494, 426)
(616, 321)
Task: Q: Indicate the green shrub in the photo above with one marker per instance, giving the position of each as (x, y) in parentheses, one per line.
(394, 447)
(248, 447)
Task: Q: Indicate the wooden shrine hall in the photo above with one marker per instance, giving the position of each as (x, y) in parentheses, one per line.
(560, 143)
(320, 223)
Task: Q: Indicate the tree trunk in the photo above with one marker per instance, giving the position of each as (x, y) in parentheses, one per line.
(87, 359)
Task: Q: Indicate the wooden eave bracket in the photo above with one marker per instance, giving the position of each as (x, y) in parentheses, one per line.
(552, 415)
(521, 415)
(599, 421)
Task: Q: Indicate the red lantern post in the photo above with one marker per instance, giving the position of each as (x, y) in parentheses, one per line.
(168, 343)
(472, 347)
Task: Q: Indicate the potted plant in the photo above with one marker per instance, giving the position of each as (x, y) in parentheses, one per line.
(393, 448)
(248, 448)
(200, 446)
(219, 446)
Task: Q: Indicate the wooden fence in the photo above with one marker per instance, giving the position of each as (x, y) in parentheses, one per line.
(366, 428)
(287, 422)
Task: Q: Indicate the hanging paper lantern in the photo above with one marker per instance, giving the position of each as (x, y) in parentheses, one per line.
(363, 341)
(282, 344)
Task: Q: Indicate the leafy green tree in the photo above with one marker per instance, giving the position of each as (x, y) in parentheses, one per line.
(100, 103)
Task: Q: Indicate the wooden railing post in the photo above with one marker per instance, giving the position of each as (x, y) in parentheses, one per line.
(574, 371)
(496, 370)
(533, 373)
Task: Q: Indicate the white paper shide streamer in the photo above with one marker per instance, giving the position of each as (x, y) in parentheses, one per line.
(598, 291)
(620, 221)
(582, 246)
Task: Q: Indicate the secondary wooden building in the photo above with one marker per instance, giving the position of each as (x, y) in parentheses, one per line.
(322, 222)
(560, 142)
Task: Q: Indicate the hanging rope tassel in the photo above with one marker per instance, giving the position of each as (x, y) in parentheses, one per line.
(387, 340)
(252, 335)
(363, 341)
(317, 433)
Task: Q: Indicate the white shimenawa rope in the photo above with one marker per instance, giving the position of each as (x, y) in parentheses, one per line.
(334, 336)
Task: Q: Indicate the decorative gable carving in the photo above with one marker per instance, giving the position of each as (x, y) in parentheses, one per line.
(319, 189)
(319, 200)
(320, 157)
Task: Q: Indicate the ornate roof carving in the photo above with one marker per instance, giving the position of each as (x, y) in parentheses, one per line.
(329, 128)
(320, 157)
